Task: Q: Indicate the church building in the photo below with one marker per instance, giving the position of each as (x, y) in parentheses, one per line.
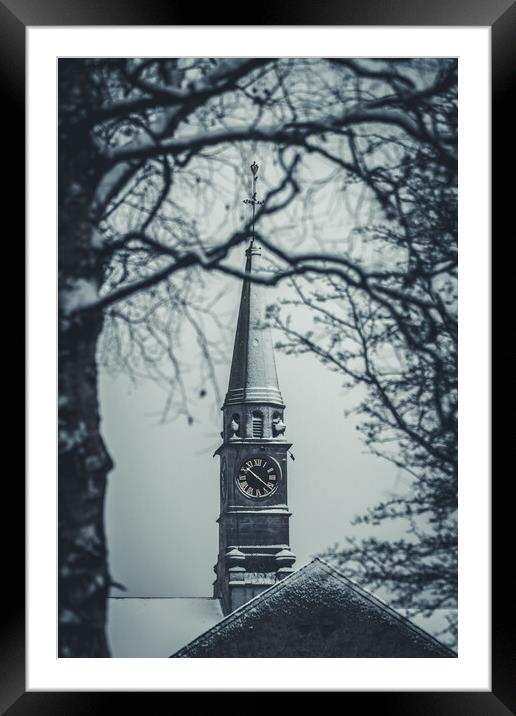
(261, 606)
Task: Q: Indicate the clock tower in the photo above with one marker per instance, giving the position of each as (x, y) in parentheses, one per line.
(254, 548)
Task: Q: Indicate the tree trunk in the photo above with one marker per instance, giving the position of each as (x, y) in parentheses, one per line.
(83, 466)
(83, 582)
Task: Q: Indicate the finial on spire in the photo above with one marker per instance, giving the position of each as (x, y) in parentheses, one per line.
(253, 200)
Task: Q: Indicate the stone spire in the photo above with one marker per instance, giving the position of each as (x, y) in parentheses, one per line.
(253, 377)
(254, 551)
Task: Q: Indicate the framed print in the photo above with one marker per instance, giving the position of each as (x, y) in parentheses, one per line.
(209, 178)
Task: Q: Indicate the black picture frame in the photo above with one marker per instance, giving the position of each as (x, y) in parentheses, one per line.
(500, 15)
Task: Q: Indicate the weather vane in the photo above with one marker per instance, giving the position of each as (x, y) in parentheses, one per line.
(253, 200)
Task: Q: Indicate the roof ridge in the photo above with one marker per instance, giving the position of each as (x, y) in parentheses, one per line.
(233, 615)
(372, 598)
(375, 599)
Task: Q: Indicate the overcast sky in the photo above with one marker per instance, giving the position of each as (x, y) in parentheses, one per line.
(163, 494)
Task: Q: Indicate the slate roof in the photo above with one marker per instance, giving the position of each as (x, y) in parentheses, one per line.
(153, 627)
(315, 612)
(434, 623)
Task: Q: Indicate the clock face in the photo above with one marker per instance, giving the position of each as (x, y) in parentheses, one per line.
(258, 476)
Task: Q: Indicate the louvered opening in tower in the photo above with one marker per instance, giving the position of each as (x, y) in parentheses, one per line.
(257, 424)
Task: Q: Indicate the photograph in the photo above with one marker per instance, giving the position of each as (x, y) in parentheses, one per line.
(258, 357)
(259, 453)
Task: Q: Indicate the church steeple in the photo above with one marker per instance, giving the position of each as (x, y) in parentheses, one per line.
(253, 524)
(253, 376)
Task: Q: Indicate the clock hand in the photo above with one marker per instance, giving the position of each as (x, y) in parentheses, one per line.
(258, 478)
